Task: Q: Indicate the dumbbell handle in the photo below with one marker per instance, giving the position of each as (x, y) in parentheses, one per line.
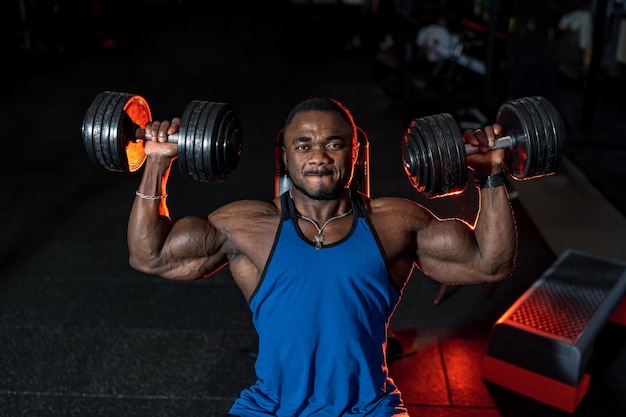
(170, 138)
(503, 142)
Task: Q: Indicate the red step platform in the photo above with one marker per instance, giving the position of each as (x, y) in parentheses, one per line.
(541, 345)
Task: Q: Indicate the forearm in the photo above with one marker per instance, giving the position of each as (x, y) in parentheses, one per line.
(495, 233)
(149, 221)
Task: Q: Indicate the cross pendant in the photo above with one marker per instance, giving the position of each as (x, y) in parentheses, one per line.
(319, 240)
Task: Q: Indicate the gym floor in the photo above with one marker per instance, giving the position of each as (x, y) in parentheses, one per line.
(83, 334)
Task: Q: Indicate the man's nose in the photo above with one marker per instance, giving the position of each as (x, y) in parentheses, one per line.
(319, 156)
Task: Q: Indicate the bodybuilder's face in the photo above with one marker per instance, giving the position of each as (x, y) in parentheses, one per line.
(318, 153)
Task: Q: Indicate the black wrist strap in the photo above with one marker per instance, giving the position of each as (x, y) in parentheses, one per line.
(491, 181)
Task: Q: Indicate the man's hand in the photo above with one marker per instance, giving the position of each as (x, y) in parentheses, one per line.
(486, 162)
(155, 136)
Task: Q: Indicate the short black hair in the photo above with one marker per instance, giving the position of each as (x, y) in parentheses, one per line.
(321, 104)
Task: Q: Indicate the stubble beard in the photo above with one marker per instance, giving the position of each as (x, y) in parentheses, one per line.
(318, 195)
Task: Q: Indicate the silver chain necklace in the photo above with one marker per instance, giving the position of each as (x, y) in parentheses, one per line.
(319, 239)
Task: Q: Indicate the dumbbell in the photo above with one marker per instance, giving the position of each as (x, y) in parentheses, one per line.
(209, 139)
(435, 155)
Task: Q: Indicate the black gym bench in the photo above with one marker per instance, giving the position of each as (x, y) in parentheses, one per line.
(541, 345)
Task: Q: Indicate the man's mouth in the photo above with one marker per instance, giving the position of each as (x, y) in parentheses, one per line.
(318, 173)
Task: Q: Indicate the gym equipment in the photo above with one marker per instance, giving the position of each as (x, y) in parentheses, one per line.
(209, 139)
(435, 155)
(542, 345)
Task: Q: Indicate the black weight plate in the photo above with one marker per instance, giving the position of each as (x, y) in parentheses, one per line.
(536, 134)
(433, 139)
(90, 129)
(112, 145)
(211, 143)
(233, 143)
(200, 155)
(205, 144)
(460, 157)
(515, 123)
(109, 128)
(409, 156)
(418, 156)
(228, 135)
(421, 162)
(547, 139)
(427, 160)
(104, 145)
(216, 134)
(555, 133)
(559, 131)
(92, 133)
(187, 137)
(453, 165)
(546, 143)
(230, 142)
(423, 178)
(192, 137)
(441, 138)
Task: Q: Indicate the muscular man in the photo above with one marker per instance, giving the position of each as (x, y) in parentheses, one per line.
(321, 266)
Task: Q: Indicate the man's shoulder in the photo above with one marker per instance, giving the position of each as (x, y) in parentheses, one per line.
(251, 208)
(398, 209)
(393, 203)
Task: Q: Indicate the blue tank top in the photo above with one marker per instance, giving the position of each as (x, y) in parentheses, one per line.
(322, 318)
